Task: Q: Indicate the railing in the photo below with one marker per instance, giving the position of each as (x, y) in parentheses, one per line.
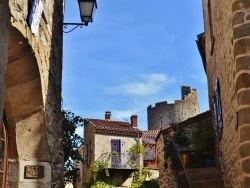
(120, 161)
(178, 166)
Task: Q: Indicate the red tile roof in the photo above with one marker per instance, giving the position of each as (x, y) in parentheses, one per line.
(113, 127)
(150, 134)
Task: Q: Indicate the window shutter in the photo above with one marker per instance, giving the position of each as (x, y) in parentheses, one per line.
(217, 108)
(115, 147)
(123, 153)
(89, 152)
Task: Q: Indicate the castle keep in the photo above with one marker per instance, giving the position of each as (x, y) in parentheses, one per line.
(163, 114)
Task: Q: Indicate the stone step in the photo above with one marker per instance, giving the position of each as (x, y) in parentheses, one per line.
(202, 177)
(211, 184)
(208, 184)
(209, 170)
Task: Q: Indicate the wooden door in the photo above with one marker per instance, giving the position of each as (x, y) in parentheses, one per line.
(3, 155)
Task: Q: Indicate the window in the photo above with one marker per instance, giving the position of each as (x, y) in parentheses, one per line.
(217, 108)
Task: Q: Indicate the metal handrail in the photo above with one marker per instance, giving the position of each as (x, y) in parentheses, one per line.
(127, 163)
(173, 152)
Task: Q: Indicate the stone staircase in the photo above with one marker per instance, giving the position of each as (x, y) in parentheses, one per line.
(202, 178)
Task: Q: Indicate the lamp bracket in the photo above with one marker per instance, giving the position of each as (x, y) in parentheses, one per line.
(65, 26)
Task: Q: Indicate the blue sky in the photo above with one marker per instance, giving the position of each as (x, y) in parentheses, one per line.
(134, 54)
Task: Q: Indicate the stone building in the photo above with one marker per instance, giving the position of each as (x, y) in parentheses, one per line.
(168, 172)
(30, 93)
(149, 144)
(163, 114)
(224, 48)
(103, 137)
(78, 164)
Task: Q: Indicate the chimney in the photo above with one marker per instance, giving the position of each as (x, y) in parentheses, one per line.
(107, 115)
(134, 121)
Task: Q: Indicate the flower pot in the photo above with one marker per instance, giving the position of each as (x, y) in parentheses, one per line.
(185, 160)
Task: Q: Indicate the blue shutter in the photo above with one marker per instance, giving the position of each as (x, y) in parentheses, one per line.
(115, 147)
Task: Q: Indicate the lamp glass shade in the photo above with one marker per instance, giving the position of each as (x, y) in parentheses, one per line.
(87, 10)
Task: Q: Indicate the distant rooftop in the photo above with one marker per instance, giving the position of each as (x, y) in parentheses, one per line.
(113, 127)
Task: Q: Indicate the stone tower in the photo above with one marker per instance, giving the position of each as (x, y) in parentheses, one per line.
(163, 114)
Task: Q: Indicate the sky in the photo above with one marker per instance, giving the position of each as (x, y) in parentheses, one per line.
(134, 54)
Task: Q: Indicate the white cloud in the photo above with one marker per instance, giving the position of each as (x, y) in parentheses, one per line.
(149, 85)
(123, 115)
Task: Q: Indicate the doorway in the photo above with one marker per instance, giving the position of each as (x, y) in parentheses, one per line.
(3, 154)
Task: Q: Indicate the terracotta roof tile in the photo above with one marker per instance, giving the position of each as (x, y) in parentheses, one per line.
(113, 127)
(150, 134)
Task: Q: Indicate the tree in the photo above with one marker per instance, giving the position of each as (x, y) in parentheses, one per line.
(71, 143)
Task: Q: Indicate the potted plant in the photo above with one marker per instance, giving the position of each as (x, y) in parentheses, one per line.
(182, 140)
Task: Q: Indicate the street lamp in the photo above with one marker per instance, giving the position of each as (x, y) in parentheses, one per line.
(87, 10)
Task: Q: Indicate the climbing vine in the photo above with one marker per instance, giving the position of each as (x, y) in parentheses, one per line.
(98, 172)
(134, 154)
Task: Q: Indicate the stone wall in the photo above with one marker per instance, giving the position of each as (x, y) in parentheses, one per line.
(32, 98)
(227, 43)
(79, 165)
(166, 174)
(163, 114)
(89, 137)
(106, 146)
(4, 41)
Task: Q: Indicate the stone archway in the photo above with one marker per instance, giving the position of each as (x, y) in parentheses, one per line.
(24, 110)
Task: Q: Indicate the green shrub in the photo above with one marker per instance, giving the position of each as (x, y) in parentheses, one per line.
(101, 184)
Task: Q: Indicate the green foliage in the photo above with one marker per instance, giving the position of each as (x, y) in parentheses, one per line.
(136, 149)
(179, 135)
(204, 140)
(101, 184)
(139, 178)
(71, 142)
(98, 171)
(134, 154)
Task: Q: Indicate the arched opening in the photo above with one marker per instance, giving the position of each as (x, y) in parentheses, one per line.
(24, 107)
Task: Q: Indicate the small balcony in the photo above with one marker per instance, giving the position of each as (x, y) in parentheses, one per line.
(121, 161)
